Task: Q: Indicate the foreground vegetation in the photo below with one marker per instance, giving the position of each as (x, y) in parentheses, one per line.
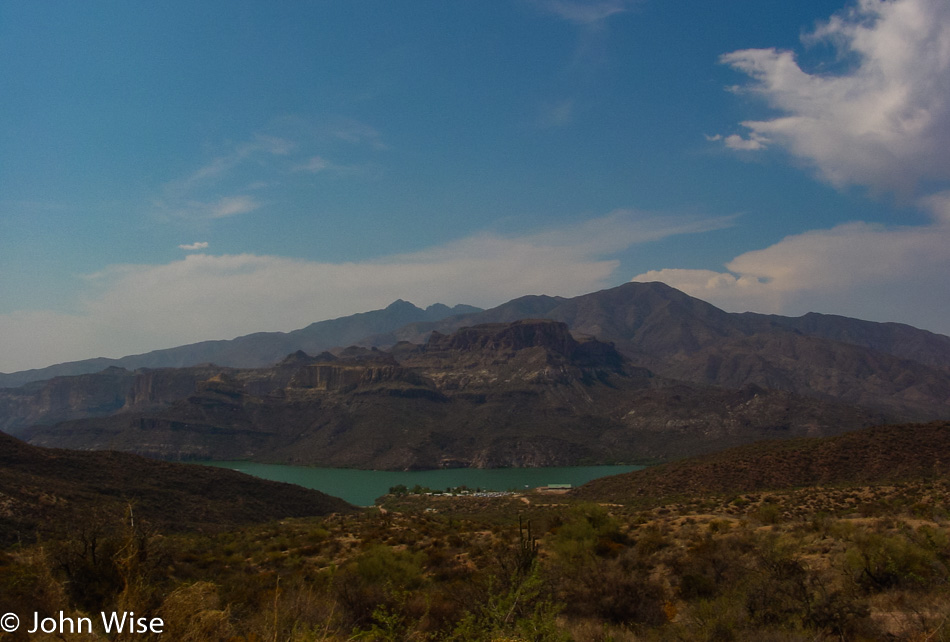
(841, 563)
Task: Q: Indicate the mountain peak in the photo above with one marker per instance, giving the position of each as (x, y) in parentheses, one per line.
(296, 358)
(400, 304)
(438, 308)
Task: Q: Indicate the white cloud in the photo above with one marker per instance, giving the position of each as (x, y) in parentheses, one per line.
(885, 122)
(584, 12)
(191, 247)
(220, 207)
(591, 19)
(754, 142)
(357, 133)
(622, 228)
(314, 165)
(202, 194)
(320, 165)
(231, 205)
(219, 188)
(259, 146)
(134, 308)
(858, 269)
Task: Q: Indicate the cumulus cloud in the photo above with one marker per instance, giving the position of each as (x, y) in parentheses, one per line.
(885, 122)
(191, 247)
(754, 142)
(128, 309)
(857, 269)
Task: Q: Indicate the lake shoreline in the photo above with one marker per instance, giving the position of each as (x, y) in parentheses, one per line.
(363, 487)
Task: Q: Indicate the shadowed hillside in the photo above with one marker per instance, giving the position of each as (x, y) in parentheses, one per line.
(526, 393)
(49, 490)
(873, 455)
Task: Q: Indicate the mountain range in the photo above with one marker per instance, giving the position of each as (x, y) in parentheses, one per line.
(884, 365)
(520, 394)
(633, 373)
(638, 372)
(253, 350)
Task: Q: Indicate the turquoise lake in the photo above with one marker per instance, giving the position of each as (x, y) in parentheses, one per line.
(362, 487)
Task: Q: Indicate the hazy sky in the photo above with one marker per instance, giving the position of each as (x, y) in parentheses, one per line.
(178, 171)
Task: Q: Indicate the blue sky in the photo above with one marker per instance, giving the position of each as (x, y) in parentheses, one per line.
(178, 171)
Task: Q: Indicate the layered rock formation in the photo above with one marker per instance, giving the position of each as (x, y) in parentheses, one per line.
(638, 371)
(521, 394)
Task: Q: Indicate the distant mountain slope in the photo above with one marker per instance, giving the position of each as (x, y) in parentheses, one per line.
(40, 487)
(891, 367)
(520, 394)
(653, 318)
(526, 307)
(872, 455)
(898, 339)
(638, 317)
(669, 376)
(101, 393)
(253, 350)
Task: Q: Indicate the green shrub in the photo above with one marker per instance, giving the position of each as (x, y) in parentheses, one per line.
(768, 513)
(707, 566)
(619, 591)
(377, 577)
(879, 562)
(381, 564)
(588, 531)
(522, 611)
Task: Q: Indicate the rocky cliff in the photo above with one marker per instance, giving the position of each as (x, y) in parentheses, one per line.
(522, 394)
(104, 393)
(641, 371)
(890, 367)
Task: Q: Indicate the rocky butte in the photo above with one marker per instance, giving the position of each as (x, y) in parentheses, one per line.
(637, 372)
(526, 393)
